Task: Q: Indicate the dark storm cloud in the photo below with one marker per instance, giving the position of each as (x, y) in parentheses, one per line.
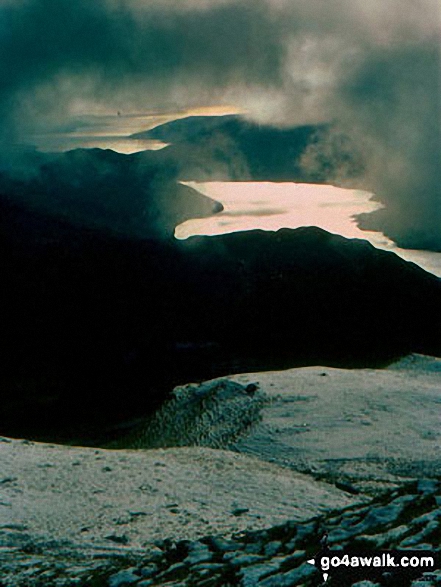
(54, 51)
(370, 67)
(396, 95)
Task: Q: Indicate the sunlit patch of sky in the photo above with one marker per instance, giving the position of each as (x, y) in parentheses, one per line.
(111, 130)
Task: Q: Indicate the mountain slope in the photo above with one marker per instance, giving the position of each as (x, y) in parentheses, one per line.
(232, 148)
(97, 329)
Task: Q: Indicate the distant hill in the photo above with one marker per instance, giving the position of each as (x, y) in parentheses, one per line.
(184, 129)
(97, 328)
(231, 148)
(105, 190)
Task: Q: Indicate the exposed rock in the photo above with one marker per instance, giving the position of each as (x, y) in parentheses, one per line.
(124, 578)
(280, 559)
(214, 414)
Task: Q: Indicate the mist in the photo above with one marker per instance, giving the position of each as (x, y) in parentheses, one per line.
(372, 70)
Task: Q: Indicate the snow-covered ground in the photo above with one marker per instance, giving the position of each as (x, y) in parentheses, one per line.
(369, 427)
(362, 425)
(358, 429)
(104, 498)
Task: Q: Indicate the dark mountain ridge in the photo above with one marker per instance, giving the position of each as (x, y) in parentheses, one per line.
(97, 328)
(104, 190)
(206, 148)
(231, 148)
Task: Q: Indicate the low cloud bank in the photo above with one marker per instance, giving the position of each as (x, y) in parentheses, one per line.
(371, 69)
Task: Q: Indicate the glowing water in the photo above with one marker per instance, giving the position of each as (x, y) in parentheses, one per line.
(270, 206)
(114, 131)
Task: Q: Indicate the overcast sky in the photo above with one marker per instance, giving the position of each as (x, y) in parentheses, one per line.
(370, 66)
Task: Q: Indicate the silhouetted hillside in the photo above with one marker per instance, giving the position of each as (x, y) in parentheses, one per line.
(407, 233)
(186, 129)
(127, 195)
(232, 148)
(96, 329)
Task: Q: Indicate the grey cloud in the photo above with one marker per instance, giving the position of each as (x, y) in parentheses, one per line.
(107, 51)
(394, 104)
(370, 67)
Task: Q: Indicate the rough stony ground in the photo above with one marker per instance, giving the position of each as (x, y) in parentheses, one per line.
(364, 427)
(408, 518)
(110, 518)
(104, 498)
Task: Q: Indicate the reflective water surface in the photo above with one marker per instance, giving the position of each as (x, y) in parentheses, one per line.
(271, 206)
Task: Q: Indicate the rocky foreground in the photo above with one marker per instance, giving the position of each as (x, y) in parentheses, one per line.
(234, 482)
(362, 429)
(406, 518)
